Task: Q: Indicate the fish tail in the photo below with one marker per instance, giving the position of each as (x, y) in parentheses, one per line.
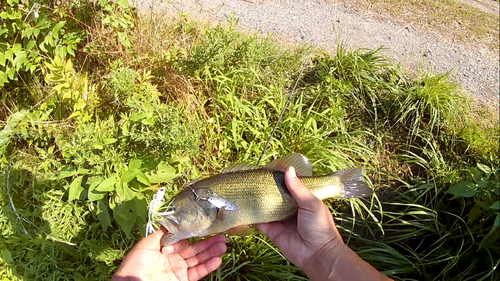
(353, 185)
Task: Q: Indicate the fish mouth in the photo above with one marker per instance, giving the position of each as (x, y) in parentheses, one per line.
(170, 223)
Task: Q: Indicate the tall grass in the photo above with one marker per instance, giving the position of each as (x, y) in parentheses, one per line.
(203, 96)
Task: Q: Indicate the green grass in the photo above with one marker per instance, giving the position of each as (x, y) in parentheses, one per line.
(190, 98)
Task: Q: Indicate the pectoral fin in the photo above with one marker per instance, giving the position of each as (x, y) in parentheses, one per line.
(220, 213)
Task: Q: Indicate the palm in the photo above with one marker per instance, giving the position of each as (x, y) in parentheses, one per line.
(180, 261)
(300, 240)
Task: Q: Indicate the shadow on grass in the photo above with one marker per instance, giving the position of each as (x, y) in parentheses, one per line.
(46, 237)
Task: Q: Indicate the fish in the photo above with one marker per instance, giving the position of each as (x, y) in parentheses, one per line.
(243, 195)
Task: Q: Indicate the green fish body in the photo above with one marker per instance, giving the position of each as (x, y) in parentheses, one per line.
(243, 195)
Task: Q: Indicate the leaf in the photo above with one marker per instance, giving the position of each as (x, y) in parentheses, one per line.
(124, 39)
(3, 59)
(483, 205)
(140, 210)
(129, 175)
(11, 73)
(124, 192)
(93, 194)
(493, 234)
(66, 172)
(106, 20)
(75, 189)
(107, 185)
(474, 213)
(150, 121)
(138, 116)
(130, 212)
(141, 177)
(135, 164)
(83, 171)
(20, 59)
(137, 186)
(103, 215)
(496, 205)
(164, 174)
(123, 3)
(6, 257)
(97, 145)
(485, 169)
(496, 190)
(476, 174)
(125, 216)
(109, 140)
(94, 181)
(3, 78)
(463, 189)
(58, 26)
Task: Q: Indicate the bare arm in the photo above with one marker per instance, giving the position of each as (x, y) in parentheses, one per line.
(313, 243)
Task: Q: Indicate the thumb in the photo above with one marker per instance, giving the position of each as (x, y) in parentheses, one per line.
(152, 241)
(300, 192)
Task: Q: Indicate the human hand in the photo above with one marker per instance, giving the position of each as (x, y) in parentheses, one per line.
(314, 233)
(313, 242)
(179, 261)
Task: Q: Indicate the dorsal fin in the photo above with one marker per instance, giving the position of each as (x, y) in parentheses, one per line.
(194, 180)
(301, 164)
(239, 167)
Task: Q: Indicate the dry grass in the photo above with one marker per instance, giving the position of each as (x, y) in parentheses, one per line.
(449, 18)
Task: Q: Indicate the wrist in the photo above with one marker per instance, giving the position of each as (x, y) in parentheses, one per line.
(322, 263)
(339, 262)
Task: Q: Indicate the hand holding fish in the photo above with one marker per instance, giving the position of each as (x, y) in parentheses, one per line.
(266, 197)
(180, 261)
(313, 243)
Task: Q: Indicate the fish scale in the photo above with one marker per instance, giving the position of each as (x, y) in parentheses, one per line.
(253, 195)
(261, 196)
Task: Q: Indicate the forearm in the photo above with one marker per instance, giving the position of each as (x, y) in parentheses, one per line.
(341, 263)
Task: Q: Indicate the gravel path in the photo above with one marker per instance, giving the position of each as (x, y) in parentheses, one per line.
(323, 23)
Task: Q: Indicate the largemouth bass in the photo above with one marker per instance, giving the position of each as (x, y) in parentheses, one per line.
(243, 194)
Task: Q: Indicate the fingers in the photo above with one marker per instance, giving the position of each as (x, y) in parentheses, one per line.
(200, 246)
(272, 229)
(151, 242)
(303, 196)
(204, 256)
(175, 248)
(215, 251)
(203, 270)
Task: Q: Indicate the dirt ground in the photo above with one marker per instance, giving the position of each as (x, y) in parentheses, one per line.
(323, 23)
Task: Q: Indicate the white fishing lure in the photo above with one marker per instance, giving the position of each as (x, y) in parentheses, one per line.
(154, 205)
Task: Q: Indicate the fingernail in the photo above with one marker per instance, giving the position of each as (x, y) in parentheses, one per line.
(291, 170)
(167, 250)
